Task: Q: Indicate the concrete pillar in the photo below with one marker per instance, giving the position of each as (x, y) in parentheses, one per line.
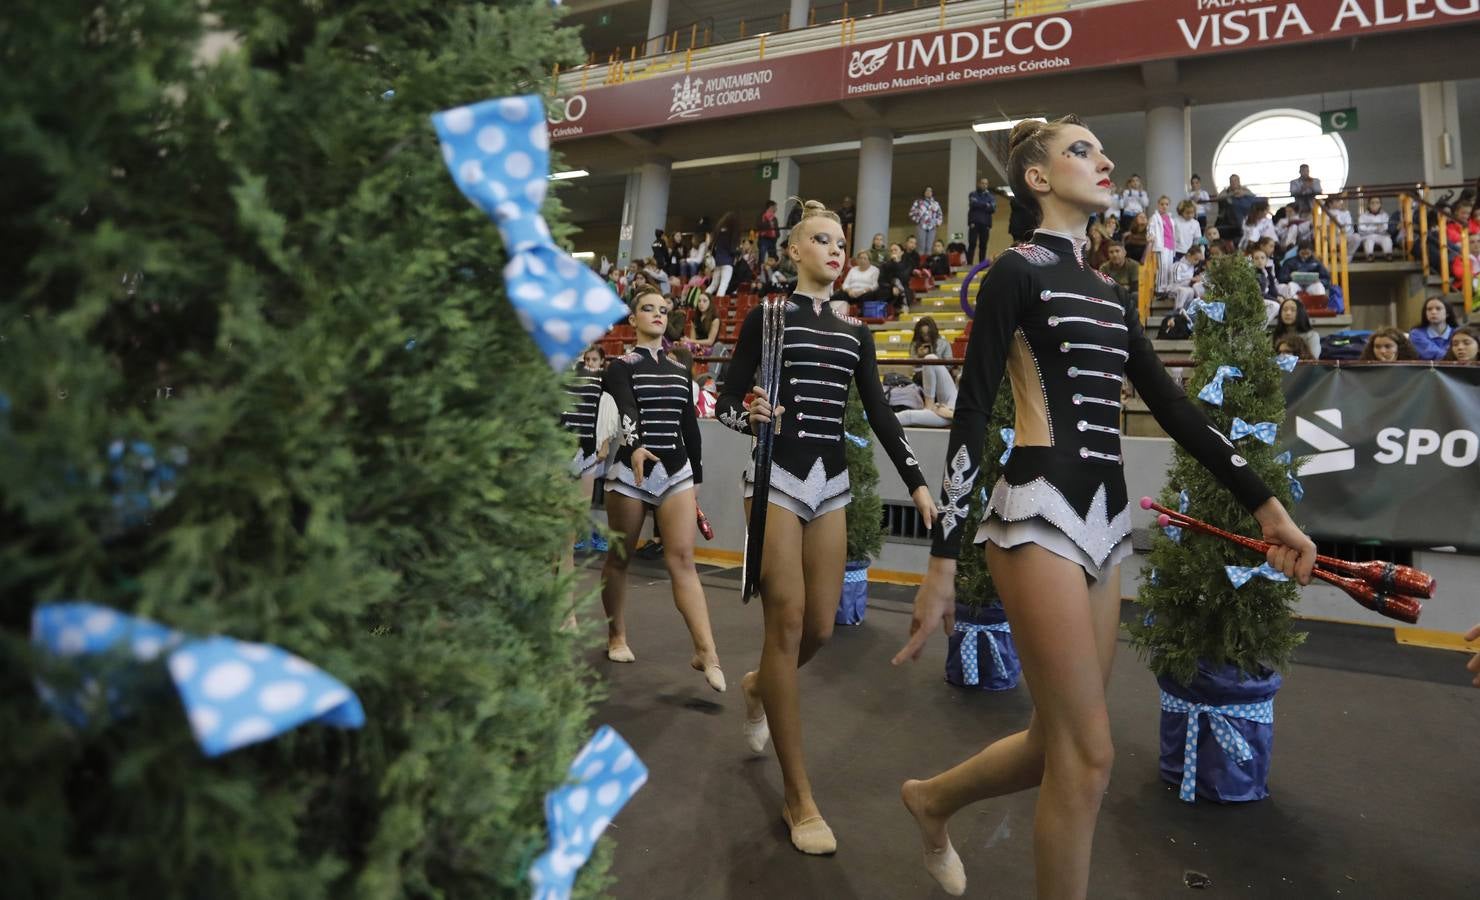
(961, 182)
(652, 203)
(875, 173)
(799, 12)
(1438, 109)
(786, 184)
(657, 26)
(1166, 153)
(629, 212)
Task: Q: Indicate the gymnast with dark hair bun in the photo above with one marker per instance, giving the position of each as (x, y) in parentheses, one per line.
(1057, 523)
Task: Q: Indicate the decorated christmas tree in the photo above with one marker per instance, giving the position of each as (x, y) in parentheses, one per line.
(255, 273)
(1194, 611)
(974, 587)
(865, 510)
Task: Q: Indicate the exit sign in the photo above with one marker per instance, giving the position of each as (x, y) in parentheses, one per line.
(1339, 120)
(766, 171)
(604, 19)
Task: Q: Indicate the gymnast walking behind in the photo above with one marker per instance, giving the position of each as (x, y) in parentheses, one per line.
(805, 529)
(656, 465)
(1058, 521)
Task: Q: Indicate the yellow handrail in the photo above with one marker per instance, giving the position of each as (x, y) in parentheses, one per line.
(1467, 272)
(1147, 287)
(1443, 253)
(1405, 203)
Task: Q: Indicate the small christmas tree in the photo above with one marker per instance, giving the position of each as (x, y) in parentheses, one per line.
(262, 260)
(1193, 611)
(865, 510)
(974, 587)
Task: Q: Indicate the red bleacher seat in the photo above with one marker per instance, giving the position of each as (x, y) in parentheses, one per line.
(957, 259)
(958, 348)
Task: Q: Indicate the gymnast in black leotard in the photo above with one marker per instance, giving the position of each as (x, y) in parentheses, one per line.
(1057, 523)
(656, 464)
(806, 529)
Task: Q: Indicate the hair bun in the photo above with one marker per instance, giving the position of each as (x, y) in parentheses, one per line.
(1025, 130)
(815, 204)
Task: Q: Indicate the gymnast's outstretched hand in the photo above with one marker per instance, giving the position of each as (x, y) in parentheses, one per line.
(1474, 664)
(935, 605)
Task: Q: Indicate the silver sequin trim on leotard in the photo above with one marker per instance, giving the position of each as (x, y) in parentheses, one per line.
(1096, 534)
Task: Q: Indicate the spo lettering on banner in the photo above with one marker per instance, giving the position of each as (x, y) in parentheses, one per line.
(1456, 449)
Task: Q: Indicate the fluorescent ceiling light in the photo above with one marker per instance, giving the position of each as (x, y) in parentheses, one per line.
(573, 173)
(1004, 126)
(583, 254)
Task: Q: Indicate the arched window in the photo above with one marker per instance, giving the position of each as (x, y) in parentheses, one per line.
(1266, 149)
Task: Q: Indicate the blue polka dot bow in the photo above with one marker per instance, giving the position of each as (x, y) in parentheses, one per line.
(499, 154)
(1227, 736)
(1286, 362)
(1240, 575)
(1297, 490)
(1214, 311)
(1212, 392)
(603, 777)
(1173, 531)
(141, 483)
(972, 637)
(234, 692)
(1008, 436)
(857, 441)
(1264, 431)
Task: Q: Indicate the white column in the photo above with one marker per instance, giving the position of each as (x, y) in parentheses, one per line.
(629, 213)
(1166, 153)
(799, 11)
(787, 183)
(962, 181)
(657, 25)
(1438, 109)
(652, 203)
(875, 173)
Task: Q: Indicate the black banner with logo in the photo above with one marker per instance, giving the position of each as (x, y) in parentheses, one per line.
(1392, 453)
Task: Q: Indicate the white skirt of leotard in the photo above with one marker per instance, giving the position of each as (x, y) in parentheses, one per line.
(656, 487)
(807, 498)
(1036, 513)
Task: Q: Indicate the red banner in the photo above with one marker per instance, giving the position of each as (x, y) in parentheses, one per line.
(1074, 40)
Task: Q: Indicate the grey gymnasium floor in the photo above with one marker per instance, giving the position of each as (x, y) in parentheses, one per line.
(1375, 781)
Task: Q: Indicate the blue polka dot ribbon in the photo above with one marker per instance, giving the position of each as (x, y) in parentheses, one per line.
(1212, 392)
(603, 777)
(855, 576)
(1173, 531)
(1264, 431)
(1286, 362)
(971, 640)
(1008, 436)
(857, 441)
(499, 154)
(1227, 736)
(1195, 307)
(141, 483)
(234, 692)
(1240, 575)
(1297, 490)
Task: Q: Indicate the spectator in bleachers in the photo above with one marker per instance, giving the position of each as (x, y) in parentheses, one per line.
(1294, 226)
(894, 280)
(1132, 201)
(1199, 198)
(938, 263)
(1112, 211)
(747, 267)
(1292, 346)
(1185, 281)
(726, 244)
(1136, 237)
(694, 250)
(1102, 232)
(1162, 234)
(1342, 218)
(981, 207)
(937, 392)
(911, 253)
(702, 329)
(655, 275)
(862, 281)
(1305, 261)
(1234, 202)
(1188, 231)
(1217, 244)
(1125, 271)
(1462, 223)
(1388, 344)
(878, 251)
(927, 336)
(847, 216)
(1264, 274)
(1434, 329)
(767, 230)
(1372, 231)
(927, 215)
(705, 393)
(662, 250)
(1464, 345)
(1257, 224)
(1294, 323)
(1304, 190)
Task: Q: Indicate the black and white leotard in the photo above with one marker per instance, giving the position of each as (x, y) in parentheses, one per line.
(655, 410)
(821, 354)
(1067, 337)
(585, 397)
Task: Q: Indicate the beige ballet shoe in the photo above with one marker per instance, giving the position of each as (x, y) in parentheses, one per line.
(757, 731)
(621, 654)
(712, 674)
(945, 867)
(811, 835)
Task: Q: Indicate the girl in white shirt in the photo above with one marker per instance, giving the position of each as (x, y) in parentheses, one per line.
(1133, 201)
(1162, 240)
(1186, 227)
(1372, 230)
(1257, 225)
(1200, 198)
